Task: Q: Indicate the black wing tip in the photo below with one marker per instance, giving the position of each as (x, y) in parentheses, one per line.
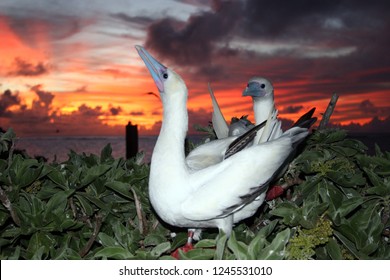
(242, 141)
(306, 120)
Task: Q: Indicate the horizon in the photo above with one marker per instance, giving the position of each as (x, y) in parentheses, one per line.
(69, 68)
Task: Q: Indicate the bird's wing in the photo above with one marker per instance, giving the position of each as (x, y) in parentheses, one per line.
(214, 152)
(219, 123)
(242, 141)
(219, 190)
(306, 120)
(208, 154)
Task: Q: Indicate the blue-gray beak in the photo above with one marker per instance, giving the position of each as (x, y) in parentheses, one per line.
(156, 69)
(254, 89)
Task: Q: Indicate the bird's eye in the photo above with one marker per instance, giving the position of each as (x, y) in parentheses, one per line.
(165, 76)
(262, 85)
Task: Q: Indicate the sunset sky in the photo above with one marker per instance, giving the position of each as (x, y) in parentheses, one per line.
(70, 67)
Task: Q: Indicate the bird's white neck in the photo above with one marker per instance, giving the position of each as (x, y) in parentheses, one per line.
(169, 147)
(262, 106)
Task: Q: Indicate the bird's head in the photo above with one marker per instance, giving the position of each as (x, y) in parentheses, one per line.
(167, 81)
(258, 87)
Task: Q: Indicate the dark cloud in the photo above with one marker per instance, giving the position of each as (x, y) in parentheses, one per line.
(89, 112)
(22, 67)
(8, 99)
(115, 110)
(140, 20)
(45, 98)
(193, 42)
(368, 109)
(291, 109)
(38, 24)
(376, 125)
(81, 89)
(137, 113)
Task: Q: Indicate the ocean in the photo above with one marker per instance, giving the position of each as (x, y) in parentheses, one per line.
(57, 148)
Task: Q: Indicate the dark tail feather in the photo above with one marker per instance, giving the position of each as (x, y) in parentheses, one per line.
(306, 120)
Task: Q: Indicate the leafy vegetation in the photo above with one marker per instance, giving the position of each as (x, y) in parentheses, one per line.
(337, 206)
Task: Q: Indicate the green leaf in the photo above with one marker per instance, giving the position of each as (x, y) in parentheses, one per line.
(268, 229)
(93, 173)
(23, 172)
(220, 245)
(39, 244)
(348, 180)
(88, 209)
(239, 249)
(154, 239)
(106, 240)
(121, 188)
(350, 246)
(334, 250)
(105, 154)
(95, 201)
(57, 203)
(256, 246)
(160, 249)
(288, 211)
(349, 205)
(58, 177)
(117, 253)
(276, 250)
(205, 243)
(197, 254)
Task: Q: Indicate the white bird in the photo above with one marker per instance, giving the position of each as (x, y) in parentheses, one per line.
(216, 196)
(213, 152)
(262, 92)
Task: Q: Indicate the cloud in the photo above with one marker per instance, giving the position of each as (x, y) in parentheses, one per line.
(138, 20)
(291, 109)
(33, 25)
(22, 67)
(116, 73)
(8, 99)
(368, 108)
(89, 112)
(81, 89)
(41, 118)
(336, 45)
(192, 42)
(45, 98)
(376, 125)
(137, 113)
(115, 110)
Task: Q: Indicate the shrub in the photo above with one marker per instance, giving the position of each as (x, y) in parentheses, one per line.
(337, 206)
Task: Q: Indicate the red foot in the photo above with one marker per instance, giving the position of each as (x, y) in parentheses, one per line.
(274, 192)
(184, 249)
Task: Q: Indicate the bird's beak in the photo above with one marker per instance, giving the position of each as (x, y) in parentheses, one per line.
(156, 69)
(254, 90)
